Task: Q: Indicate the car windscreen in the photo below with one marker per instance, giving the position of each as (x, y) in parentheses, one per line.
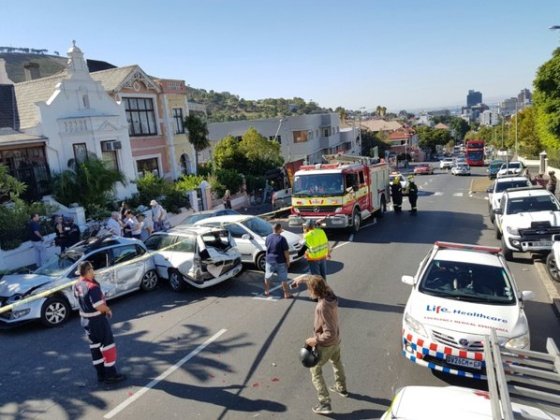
(469, 282)
(496, 165)
(502, 186)
(258, 225)
(318, 184)
(531, 204)
(157, 242)
(58, 264)
(511, 165)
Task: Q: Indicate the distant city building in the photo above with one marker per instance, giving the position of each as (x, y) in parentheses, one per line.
(301, 137)
(509, 106)
(440, 113)
(424, 119)
(473, 98)
(489, 118)
(471, 114)
(524, 97)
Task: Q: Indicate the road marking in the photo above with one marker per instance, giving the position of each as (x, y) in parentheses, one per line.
(261, 296)
(341, 245)
(164, 375)
(438, 193)
(458, 194)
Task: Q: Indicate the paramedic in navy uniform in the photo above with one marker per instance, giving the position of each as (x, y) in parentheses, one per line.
(95, 313)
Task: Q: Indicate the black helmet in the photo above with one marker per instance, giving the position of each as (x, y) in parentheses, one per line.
(309, 356)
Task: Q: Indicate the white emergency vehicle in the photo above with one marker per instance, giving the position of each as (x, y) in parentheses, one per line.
(526, 220)
(459, 294)
(496, 191)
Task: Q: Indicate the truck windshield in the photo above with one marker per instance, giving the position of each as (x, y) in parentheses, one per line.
(531, 204)
(468, 282)
(318, 185)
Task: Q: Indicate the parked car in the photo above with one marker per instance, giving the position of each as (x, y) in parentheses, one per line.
(494, 167)
(553, 258)
(526, 220)
(510, 168)
(121, 266)
(496, 191)
(194, 255)
(446, 163)
(424, 169)
(461, 169)
(459, 293)
(282, 198)
(205, 214)
(249, 233)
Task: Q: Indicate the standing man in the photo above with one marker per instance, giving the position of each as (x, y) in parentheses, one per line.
(114, 224)
(396, 194)
(552, 181)
(317, 251)
(37, 239)
(159, 216)
(277, 260)
(95, 313)
(412, 194)
(326, 338)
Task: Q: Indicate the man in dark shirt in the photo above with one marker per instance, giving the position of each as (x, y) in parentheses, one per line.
(277, 260)
(37, 239)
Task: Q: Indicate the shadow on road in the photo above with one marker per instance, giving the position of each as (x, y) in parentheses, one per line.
(369, 306)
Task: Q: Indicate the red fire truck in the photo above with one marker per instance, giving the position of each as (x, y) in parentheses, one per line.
(341, 192)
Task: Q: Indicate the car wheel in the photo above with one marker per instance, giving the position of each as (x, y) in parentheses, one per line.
(356, 221)
(498, 233)
(176, 281)
(260, 261)
(55, 311)
(508, 253)
(551, 267)
(149, 281)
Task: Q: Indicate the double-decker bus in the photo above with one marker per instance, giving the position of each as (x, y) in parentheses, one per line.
(474, 152)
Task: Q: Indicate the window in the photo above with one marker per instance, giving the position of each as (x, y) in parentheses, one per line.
(310, 134)
(300, 136)
(140, 116)
(178, 118)
(361, 175)
(277, 138)
(80, 152)
(109, 157)
(258, 225)
(155, 242)
(85, 101)
(144, 166)
(235, 230)
(326, 132)
(124, 253)
(184, 244)
(99, 260)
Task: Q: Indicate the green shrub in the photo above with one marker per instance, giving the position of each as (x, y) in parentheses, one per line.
(254, 182)
(230, 180)
(188, 183)
(204, 169)
(152, 187)
(216, 185)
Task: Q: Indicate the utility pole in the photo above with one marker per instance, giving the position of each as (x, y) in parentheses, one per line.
(516, 118)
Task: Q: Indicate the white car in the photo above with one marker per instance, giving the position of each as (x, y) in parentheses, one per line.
(526, 220)
(193, 255)
(451, 402)
(121, 266)
(496, 191)
(461, 169)
(510, 168)
(459, 293)
(249, 233)
(446, 163)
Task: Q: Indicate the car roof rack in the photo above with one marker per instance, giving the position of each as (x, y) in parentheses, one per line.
(468, 247)
(533, 188)
(528, 377)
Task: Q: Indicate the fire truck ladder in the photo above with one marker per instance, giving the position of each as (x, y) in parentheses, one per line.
(349, 159)
(529, 377)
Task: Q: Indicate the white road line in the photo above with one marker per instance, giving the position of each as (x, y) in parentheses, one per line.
(438, 193)
(341, 245)
(458, 194)
(261, 296)
(164, 375)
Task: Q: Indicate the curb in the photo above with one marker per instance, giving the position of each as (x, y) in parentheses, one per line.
(550, 287)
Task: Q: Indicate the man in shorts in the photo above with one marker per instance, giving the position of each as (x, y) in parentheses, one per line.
(277, 260)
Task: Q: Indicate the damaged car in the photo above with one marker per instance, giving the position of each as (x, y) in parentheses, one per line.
(194, 255)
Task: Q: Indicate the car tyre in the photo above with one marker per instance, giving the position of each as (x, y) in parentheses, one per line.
(508, 253)
(383, 208)
(356, 220)
(149, 281)
(498, 233)
(260, 261)
(551, 267)
(176, 281)
(55, 311)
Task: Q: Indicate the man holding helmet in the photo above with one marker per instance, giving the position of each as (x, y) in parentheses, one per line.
(325, 341)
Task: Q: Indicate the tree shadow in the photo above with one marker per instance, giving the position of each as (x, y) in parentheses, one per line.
(369, 306)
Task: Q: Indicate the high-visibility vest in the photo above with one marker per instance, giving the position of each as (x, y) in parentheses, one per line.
(317, 245)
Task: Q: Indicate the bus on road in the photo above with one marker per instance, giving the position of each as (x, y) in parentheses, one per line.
(474, 152)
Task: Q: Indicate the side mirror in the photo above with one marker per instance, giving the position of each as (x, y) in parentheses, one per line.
(246, 236)
(556, 237)
(498, 211)
(408, 280)
(527, 295)
(489, 190)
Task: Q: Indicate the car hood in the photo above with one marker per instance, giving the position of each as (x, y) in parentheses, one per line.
(466, 317)
(291, 238)
(524, 220)
(22, 283)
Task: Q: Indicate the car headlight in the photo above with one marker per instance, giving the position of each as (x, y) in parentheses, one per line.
(338, 210)
(520, 342)
(414, 325)
(512, 230)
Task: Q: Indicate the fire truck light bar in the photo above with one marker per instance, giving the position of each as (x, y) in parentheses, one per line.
(468, 247)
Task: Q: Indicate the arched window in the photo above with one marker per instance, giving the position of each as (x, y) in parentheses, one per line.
(185, 164)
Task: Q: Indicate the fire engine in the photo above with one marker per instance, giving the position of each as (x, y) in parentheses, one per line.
(340, 193)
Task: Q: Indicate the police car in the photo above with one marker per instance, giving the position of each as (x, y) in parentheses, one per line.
(459, 293)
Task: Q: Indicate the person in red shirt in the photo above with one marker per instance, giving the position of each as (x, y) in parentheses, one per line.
(95, 314)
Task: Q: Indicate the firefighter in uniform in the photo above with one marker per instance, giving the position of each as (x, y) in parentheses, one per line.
(396, 194)
(412, 194)
(317, 248)
(94, 313)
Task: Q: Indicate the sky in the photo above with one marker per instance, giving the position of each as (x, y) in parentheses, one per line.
(401, 54)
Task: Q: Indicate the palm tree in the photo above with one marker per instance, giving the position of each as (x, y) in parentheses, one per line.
(198, 135)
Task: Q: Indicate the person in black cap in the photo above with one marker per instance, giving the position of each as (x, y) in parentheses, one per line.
(95, 314)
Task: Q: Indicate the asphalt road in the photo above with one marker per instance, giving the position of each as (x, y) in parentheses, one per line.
(228, 352)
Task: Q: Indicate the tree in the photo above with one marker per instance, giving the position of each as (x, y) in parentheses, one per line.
(89, 183)
(546, 98)
(227, 155)
(261, 154)
(198, 134)
(10, 187)
(528, 137)
(429, 138)
(460, 127)
(371, 140)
